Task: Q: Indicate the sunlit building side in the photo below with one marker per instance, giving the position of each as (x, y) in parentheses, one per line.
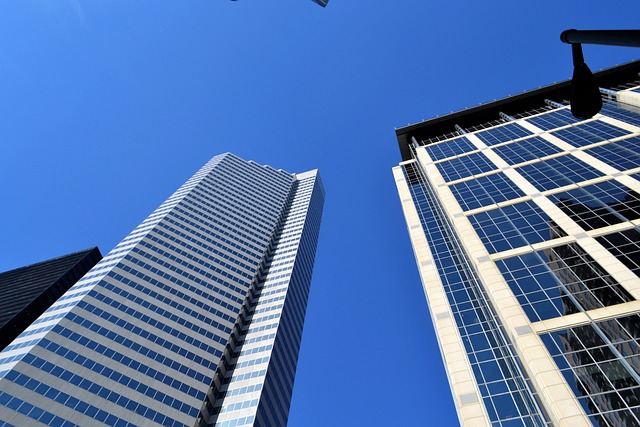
(525, 224)
(194, 319)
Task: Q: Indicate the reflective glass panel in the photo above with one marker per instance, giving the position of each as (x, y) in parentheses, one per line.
(599, 205)
(462, 167)
(600, 363)
(505, 133)
(514, 226)
(504, 387)
(485, 191)
(622, 112)
(452, 147)
(525, 150)
(553, 120)
(589, 133)
(560, 281)
(557, 172)
(625, 246)
(622, 155)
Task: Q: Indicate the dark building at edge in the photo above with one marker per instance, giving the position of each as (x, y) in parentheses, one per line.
(27, 292)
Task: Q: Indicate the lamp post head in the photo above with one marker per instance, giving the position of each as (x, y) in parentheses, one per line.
(586, 100)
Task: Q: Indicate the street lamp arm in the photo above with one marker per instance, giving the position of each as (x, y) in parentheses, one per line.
(629, 38)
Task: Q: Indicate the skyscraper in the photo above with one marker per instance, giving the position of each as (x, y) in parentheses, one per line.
(195, 318)
(525, 226)
(26, 292)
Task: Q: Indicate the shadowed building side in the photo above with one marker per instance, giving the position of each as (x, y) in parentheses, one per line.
(27, 292)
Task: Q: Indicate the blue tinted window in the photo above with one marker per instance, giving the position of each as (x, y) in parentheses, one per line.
(462, 167)
(560, 281)
(605, 384)
(504, 133)
(599, 205)
(526, 150)
(496, 367)
(553, 120)
(622, 155)
(513, 226)
(627, 114)
(485, 191)
(558, 172)
(453, 147)
(589, 133)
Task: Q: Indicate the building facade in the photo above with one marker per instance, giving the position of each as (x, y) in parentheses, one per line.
(26, 292)
(525, 224)
(194, 319)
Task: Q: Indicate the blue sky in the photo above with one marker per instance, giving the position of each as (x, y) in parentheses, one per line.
(108, 106)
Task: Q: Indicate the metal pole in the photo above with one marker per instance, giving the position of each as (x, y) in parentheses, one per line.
(630, 38)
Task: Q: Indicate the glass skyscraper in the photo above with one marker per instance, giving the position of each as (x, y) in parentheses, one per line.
(194, 319)
(525, 224)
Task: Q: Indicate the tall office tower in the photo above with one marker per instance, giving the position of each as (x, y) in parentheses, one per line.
(26, 292)
(194, 319)
(525, 224)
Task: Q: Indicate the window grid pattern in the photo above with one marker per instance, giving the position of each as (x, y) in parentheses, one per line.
(601, 364)
(559, 281)
(182, 258)
(599, 205)
(513, 226)
(589, 133)
(625, 246)
(506, 392)
(485, 191)
(465, 166)
(504, 133)
(254, 353)
(553, 120)
(622, 155)
(627, 114)
(558, 172)
(526, 150)
(450, 148)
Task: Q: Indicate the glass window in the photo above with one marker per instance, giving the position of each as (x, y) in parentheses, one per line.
(557, 172)
(589, 133)
(623, 112)
(559, 281)
(514, 226)
(452, 147)
(526, 150)
(625, 246)
(622, 155)
(505, 133)
(493, 362)
(462, 167)
(485, 191)
(599, 205)
(600, 363)
(554, 119)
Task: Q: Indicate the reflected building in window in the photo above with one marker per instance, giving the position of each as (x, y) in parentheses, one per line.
(525, 224)
(194, 319)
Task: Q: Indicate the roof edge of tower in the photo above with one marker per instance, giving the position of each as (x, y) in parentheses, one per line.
(511, 105)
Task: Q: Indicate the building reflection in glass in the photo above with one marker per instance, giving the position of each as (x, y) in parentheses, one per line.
(600, 361)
